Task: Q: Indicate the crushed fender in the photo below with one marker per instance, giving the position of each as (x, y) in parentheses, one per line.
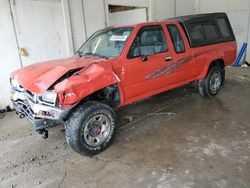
(84, 83)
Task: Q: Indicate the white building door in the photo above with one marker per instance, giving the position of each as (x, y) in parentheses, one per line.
(128, 17)
(8, 52)
(40, 29)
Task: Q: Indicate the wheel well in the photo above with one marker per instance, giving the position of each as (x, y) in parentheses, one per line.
(109, 95)
(217, 62)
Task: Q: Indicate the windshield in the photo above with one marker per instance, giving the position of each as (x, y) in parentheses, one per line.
(106, 43)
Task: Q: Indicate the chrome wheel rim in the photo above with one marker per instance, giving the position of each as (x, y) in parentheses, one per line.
(215, 82)
(97, 130)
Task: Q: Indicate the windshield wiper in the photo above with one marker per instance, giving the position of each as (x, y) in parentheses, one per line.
(93, 54)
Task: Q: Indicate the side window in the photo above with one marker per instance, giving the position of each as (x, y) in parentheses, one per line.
(149, 40)
(197, 32)
(204, 33)
(223, 28)
(210, 32)
(176, 38)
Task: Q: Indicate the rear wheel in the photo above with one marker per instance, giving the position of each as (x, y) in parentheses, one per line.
(211, 85)
(91, 128)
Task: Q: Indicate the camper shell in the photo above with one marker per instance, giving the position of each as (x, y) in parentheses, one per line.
(206, 29)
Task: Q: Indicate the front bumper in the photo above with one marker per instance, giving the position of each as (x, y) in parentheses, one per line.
(40, 115)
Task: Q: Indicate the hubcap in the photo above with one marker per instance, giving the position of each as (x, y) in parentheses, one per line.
(215, 82)
(97, 130)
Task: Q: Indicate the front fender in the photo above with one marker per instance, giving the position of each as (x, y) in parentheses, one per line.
(84, 83)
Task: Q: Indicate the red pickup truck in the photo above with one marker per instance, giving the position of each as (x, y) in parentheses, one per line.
(117, 66)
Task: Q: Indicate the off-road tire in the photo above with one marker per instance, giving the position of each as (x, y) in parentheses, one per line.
(76, 126)
(204, 85)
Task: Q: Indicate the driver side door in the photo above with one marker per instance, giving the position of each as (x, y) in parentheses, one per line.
(148, 66)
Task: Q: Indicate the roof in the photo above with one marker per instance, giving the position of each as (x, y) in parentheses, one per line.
(181, 19)
(136, 24)
(195, 16)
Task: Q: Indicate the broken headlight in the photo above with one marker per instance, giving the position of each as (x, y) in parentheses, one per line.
(14, 83)
(49, 97)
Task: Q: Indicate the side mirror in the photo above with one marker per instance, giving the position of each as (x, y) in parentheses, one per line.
(144, 58)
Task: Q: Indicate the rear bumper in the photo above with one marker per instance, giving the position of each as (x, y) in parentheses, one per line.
(41, 116)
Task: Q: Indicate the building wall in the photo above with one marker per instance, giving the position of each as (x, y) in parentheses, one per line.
(77, 23)
(184, 7)
(163, 9)
(95, 19)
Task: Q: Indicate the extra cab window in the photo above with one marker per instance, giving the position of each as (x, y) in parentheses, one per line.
(204, 33)
(210, 31)
(176, 38)
(149, 40)
(223, 26)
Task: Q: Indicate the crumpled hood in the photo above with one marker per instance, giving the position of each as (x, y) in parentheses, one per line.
(38, 77)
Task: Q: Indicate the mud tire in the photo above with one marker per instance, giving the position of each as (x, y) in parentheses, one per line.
(77, 123)
(206, 88)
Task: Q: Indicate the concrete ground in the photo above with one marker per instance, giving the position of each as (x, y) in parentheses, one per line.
(175, 139)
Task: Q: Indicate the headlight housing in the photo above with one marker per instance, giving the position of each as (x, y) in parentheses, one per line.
(14, 83)
(49, 97)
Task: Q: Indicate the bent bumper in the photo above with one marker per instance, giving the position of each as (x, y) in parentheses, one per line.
(41, 116)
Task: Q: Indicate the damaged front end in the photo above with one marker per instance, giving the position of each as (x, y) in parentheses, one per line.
(42, 114)
(54, 105)
(44, 110)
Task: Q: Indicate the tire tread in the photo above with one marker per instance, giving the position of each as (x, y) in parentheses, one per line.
(74, 124)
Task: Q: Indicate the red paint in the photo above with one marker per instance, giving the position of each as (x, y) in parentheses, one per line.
(129, 74)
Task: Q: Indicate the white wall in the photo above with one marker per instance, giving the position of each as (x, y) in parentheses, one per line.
(163, 9)
(9, 59)
(184, 7)
(77, 23)
(94, 14)
(86, 16)
(170, 8)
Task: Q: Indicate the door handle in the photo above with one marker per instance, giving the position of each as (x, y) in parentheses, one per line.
(168, 58)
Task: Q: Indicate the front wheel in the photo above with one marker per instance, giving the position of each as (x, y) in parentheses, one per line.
(211, 85)
(91, 128)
